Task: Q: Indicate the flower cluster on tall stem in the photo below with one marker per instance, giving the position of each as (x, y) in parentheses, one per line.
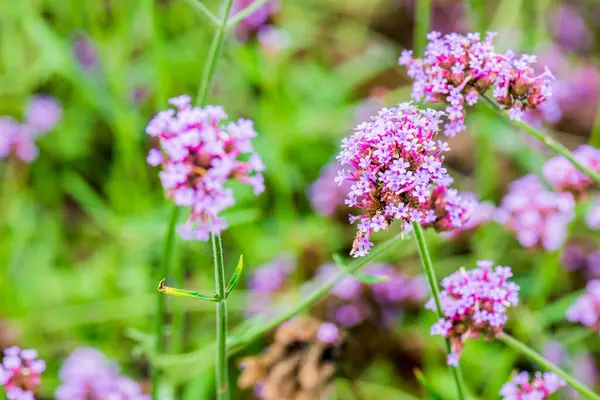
(474, 304)
(564, 177)
(523, 387)
(395, 167)
(200, 155)
(457, 70)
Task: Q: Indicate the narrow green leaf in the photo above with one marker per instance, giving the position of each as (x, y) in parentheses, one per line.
(235, 278)
(184, 293)
(364, 278)
(428, 388)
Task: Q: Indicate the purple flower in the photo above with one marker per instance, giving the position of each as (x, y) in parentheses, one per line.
(328, 333)
(87, 374)
(20, 373)
(395, 164)
(586, 309)
(592, 218)
(564, 177)
(200, 156)
(479, 214)
(256, 21)
(85, 52)
(522, 387)
(538, 217)
(570, 29)
(325, 194)
(457, 69)
(42, 114)
(474, 304)
(265, 281)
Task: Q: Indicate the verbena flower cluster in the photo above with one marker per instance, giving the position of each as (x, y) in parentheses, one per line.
(479, 214)
(42, 114)
(564, 177)
(586, 309)
(88, 375)
(395, 168)
(200, 156)
(458, 69)
(523, 387)
(20, 373)
(351, 301)
(537, 216)
(474, 304)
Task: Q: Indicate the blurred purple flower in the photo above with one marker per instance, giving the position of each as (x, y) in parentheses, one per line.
(569, 28)
(592, 218)
(85, 52)
(480, 213)
(573, 258)
(254, 22)
(474, 304)
(20, 373)
(265, 281)
(273, 40)
(324, 194)
(587, 307)
(328, 333)
(535, 215)
(446, 16)
(564, 177)
(201, 156)
(88, 375)
(42, 114)
(522, 387)
(458, 69)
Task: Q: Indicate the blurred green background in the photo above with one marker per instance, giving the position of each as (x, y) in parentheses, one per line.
(81, 227)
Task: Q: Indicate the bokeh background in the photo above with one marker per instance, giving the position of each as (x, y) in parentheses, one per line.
(81, 226)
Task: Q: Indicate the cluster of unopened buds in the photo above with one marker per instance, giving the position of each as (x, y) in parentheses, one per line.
(474, 304)
(523, 387)
(564, 177)
(200, 155)
(396, 173)
(20, 373)
(537, 216)
(457, 69)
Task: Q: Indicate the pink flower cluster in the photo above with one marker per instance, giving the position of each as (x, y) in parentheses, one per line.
(537, 216)
(20, 373)
(522, 387)
(88, 375)
(586, 309)
(42, 114)
(474, 304)
(349, 303)
(395, 166)
(480, 213)
(564, 177)
(458, 69)
(200, 156)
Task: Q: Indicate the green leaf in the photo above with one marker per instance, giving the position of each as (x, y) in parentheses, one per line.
(184, 293)
(364, 278)
(235, 278)
(428, 388)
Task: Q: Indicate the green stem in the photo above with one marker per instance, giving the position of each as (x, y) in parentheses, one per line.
(164, 270)
(538, 358)
(477, 13)
(546, 140)
(422, 22)
(213, 55)
(237, 18)
(222, 375)
(210, 17)
(435, 292)
(307, 301)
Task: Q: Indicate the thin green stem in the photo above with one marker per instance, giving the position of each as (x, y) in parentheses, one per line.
(237, 18)
(213, 55)
(477, 15)
(422, 23)
(546, 140)
(317, 294)
(201, 8)
(528, 352)
(435, 292)
(222, 375)
(163, 272)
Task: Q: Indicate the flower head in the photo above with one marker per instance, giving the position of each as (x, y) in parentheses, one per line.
(264, 283)
(535, 215)
(395, 164)
(564, 177)
(474, 304)
(42, 114)
(20, 373)
(200, 155)
(586, 309)
(88, 375)
(457, 69)
(257, 20)
(479, 214)
(522, 387)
